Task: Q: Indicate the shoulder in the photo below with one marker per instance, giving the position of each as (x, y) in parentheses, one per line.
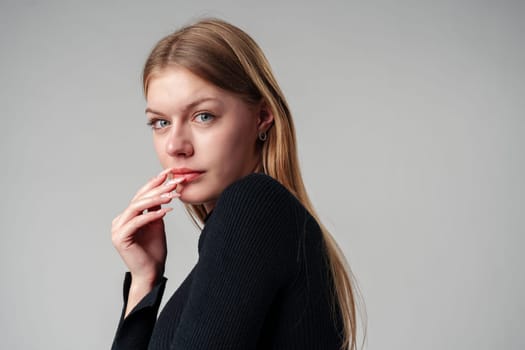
(258, 191)
(255, 217)
(257, 184)
(257, 200)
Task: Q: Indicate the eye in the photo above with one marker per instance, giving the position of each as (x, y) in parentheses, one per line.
(203, 118)
(156, 124)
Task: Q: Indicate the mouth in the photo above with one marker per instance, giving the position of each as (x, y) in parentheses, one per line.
(186, 173)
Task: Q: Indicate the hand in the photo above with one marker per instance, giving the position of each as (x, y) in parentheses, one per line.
(138, 232)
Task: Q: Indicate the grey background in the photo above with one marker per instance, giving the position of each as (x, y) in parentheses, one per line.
(410, 124)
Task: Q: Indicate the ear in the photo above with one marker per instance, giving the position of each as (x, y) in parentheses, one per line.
(265, 119)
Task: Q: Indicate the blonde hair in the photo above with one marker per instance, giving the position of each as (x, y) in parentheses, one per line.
(227, 57)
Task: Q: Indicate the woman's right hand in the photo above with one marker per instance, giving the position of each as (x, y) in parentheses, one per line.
(139, 237)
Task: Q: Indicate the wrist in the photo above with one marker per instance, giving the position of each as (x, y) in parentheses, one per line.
(144, 283)
(138, 289)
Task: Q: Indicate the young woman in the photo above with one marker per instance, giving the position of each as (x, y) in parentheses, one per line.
(269, 275)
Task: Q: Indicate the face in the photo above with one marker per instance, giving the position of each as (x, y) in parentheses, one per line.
(208, 135)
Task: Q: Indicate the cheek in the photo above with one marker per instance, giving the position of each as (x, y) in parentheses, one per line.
(233, 149)
(235, 141)
(160, 151)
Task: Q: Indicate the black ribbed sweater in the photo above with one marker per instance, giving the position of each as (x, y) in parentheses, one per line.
(261, 281)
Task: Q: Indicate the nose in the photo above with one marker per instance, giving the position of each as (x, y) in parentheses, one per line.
(179, 142)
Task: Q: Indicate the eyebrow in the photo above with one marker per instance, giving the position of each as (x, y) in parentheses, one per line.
(187, 107)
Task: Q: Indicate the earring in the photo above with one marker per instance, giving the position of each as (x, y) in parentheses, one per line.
(263, 136)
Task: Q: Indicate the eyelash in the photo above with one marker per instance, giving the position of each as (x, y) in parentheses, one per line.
(206, 114)
(151, 123)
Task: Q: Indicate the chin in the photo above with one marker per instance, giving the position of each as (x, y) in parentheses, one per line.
(193, 197)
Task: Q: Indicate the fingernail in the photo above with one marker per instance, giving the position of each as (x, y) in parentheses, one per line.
(174, 181)
(164, 172)
(172, 194)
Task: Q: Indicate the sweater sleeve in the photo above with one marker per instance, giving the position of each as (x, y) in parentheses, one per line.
(134, 331)
(247, 255)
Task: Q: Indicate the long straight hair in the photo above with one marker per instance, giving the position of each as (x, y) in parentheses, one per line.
(229, 58)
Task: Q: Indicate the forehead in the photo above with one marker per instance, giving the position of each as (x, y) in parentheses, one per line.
(179, 85)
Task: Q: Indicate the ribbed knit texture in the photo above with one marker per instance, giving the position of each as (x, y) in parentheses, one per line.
(261, 281)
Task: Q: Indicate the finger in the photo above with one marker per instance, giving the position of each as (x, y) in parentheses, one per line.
(115, 219)
(140, 206)
(168, 186)
(154, 181)
(126, 232)
(137, 207)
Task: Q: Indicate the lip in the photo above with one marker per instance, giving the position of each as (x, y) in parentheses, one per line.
(187, 173)
(184, 171)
